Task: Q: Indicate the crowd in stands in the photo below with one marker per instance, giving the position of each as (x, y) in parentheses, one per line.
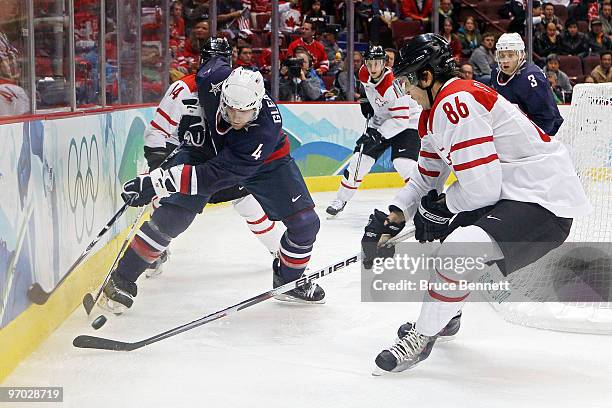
(572, 41)
(569, 35)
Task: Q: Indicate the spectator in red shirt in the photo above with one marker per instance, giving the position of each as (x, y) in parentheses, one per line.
(199, 35)
(314, 47)
(245, 58)
(452, 38)
(419, 10)
(177, 22)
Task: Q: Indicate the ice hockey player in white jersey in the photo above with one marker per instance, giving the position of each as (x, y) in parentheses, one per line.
(392, 123)
(516, 191)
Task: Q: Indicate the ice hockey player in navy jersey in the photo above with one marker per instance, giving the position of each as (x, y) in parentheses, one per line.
(250, 150)
(179, 109)
(524, 84)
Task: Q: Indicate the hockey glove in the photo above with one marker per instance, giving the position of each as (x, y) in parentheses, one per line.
(431, 221)
(378, 225)
(192, 126)
(366, 108)
(374, 135)
(159, 183)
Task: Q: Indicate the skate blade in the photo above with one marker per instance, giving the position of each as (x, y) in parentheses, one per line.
(291, 299)
(110, 305)
(154, 273)
(440, 339)
(379, 372)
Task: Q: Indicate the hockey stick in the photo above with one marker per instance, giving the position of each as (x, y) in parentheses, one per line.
(38, 295)
(360, 153)
(89, 301)
(93, 342)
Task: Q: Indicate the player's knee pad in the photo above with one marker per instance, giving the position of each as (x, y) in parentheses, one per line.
(302, 228)
(172, 220)
(405, 167)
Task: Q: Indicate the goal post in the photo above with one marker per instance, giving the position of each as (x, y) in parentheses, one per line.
(587, 133)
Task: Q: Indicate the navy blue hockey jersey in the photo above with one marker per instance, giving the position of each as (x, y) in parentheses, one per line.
(529, 89)
(241, 153)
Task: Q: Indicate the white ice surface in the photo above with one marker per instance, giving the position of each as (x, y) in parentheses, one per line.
(280, 355)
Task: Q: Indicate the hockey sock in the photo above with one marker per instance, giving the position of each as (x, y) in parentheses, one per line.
(296, 243)
(405, 167)
(442, 301)
(348, 185)
(268, 232)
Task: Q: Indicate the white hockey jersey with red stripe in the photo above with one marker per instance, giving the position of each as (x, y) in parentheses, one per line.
(163, 128)
(392, 114)
(496, 153)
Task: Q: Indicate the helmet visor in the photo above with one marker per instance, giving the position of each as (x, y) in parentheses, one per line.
(402, 83)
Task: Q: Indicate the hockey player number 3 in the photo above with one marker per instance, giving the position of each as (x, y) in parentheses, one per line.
(462, 111)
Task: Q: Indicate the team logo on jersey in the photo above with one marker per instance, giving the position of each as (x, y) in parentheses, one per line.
(215, 88)
(381, 102)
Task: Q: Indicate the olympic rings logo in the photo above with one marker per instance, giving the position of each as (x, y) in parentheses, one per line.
(83, 183)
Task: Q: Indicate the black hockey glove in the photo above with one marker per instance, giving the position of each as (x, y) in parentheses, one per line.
(378, 225)
(366, 108)
(155, 156)
(192, 126)
(431, 221)
(141, 190)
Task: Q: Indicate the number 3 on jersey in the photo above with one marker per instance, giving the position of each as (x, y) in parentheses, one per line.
(462, 111)
(257, 153)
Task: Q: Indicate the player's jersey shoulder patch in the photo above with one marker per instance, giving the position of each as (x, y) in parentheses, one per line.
(364, 75)
(385, 83)
(190, 81)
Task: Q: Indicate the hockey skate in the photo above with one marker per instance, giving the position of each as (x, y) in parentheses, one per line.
(407, 352)
(309, 293)
(446, 334)
(335, 207)
(156, 267)
(118, 294)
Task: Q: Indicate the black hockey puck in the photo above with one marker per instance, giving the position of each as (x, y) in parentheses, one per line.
(98, 322)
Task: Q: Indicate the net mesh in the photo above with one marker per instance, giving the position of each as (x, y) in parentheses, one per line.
(587, 133)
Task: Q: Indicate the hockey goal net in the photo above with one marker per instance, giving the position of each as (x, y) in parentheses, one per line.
(587, 133)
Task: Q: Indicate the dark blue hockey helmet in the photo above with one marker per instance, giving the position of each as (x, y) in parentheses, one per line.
(215, 46)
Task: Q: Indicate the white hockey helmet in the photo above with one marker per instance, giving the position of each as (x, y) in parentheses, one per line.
(242, 91)
(510, 42)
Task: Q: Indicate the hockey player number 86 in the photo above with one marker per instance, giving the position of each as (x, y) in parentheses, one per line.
(462, 111)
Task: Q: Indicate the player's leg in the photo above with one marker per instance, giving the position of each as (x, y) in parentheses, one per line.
(506, 234)
(268, 232)
(171, 218)
(405, 148)
(151, 240)
(350, 183)
(282, 193)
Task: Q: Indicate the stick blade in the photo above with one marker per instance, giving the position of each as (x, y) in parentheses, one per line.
(100, 343)
(88, 303)
(37, 294)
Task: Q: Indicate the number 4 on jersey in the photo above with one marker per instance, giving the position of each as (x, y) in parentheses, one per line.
(257, 153)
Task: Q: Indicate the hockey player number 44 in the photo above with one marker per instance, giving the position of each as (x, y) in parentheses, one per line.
(462, 111)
